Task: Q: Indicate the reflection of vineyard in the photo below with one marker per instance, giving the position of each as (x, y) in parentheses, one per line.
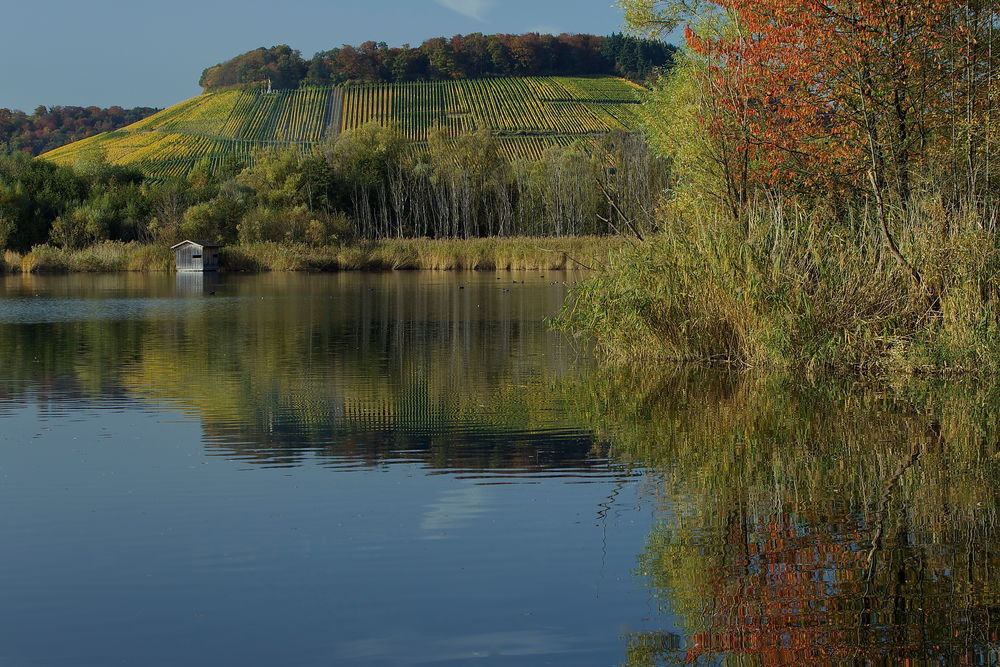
(344, 370)
(483, 451)
(529, 114)
(823, 525)
(437, 411)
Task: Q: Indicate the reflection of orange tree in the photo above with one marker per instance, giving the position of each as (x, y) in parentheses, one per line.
(814, 525)
(789, 591)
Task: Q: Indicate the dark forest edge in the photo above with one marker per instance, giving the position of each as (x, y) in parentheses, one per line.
(441, 59)
(46, 129)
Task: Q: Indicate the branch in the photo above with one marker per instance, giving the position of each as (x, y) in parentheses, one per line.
(889, 240)
(614, 205)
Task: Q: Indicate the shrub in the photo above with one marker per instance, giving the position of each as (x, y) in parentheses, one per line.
(45, 259)
(11, 262)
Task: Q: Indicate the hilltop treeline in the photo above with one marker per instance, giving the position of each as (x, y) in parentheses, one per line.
(49, 128)
(367, 183)
(461, 56)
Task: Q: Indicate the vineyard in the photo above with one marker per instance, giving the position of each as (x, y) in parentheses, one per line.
(529, 115)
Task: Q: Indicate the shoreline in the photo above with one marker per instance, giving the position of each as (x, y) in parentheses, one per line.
(581, 253)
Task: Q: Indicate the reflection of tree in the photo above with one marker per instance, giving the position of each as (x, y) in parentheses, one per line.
(820, 525)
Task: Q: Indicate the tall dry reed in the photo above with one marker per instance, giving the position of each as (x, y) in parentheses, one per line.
(790, 287)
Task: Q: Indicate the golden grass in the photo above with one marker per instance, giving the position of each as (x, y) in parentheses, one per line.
(800, 289)
(104, 257)
(487, 254)
(11, 262)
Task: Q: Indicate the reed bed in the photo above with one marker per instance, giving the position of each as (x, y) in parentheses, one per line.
(104, 257)
(805, 289)
(11, 262)
(486, 254)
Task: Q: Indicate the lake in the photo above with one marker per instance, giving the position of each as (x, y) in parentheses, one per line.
(413, 469)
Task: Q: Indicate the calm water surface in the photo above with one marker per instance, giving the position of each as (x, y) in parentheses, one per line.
(411, 469)
(307, 470)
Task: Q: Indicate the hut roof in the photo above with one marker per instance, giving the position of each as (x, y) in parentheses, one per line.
(200, 244)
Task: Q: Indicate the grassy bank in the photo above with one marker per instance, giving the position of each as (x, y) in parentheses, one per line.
(487, 254)
(802, 289)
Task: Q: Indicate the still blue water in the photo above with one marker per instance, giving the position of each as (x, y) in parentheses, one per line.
(415, 469)
(307, 470)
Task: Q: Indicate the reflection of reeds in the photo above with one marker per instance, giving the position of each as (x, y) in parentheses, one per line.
(794, 515)
(764, 440)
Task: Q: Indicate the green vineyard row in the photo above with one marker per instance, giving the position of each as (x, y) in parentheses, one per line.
(528, 114)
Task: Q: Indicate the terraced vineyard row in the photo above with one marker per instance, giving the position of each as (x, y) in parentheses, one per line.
(531, 148)
(529, 114)
(307, 113)
(295, 115)
(216, 152)
(367, 104)
(180, 167)
(600, 90)
(518, 106)
(71, 153)
(418, 107)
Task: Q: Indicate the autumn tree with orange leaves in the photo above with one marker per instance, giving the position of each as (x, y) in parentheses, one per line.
(881, 98)
(834, 198)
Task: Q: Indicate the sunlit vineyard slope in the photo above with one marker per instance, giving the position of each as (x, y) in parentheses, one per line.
(529, 114)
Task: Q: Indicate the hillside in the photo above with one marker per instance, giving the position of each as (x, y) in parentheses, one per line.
(529, 114)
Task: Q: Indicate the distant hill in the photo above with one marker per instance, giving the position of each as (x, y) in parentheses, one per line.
(442, 59)
(48, 128)
(528, 114)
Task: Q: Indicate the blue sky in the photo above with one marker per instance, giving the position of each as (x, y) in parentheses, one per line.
(139, 53)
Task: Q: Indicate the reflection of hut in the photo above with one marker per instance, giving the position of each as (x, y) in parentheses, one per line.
(197, 256)
(196, 283)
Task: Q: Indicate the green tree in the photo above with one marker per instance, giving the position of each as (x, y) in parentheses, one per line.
(218, 219)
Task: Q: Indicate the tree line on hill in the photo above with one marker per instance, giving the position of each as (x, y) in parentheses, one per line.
(46, 128)
(368, 183)
(440, 58)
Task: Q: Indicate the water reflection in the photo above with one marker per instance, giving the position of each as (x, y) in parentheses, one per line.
(839, 522)
(196, 283)
(828, 524)
(455, 371)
